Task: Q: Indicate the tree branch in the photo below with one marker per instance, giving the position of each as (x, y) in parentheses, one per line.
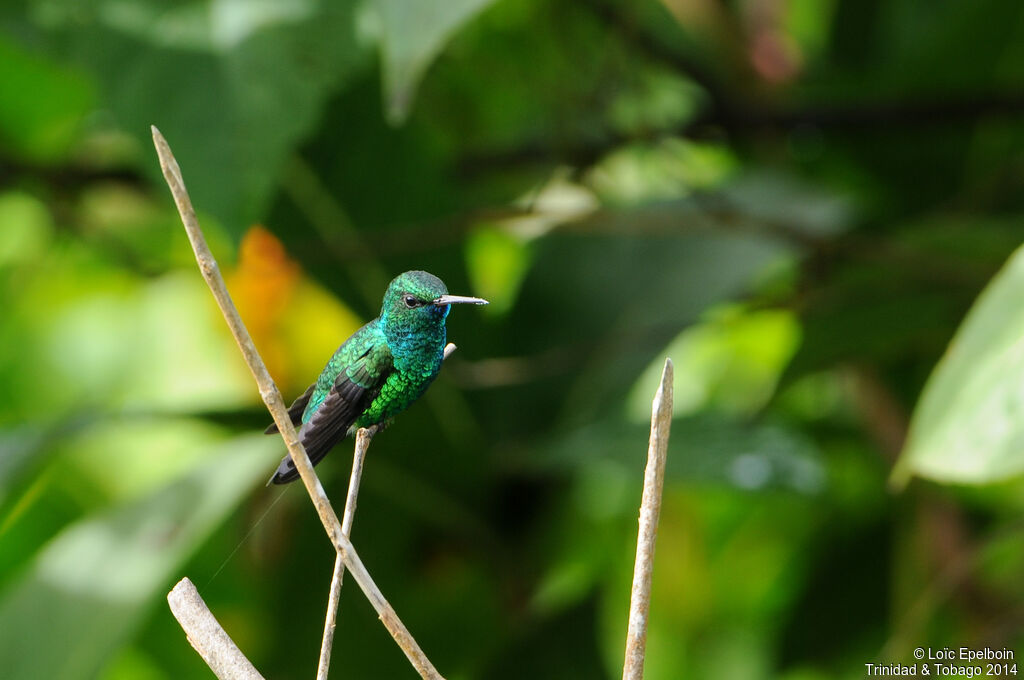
(275, 404)
(206, 635)
(363, 438)
(650, 509)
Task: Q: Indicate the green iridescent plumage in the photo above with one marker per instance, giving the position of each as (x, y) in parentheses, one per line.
(378, 372)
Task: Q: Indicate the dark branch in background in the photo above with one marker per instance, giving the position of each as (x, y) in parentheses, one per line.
(728, 114)
(68, 178)
(751, 122)
(885, 418)
(626, 27)
(873, 115)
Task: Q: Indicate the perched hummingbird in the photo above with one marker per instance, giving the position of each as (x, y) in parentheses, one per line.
(378, 372)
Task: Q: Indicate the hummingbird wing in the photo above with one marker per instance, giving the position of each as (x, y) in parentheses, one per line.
(353, 390)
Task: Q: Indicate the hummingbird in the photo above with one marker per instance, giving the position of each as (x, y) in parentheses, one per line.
(379, 371)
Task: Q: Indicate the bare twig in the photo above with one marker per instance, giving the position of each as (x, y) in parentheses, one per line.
(650, 508)
(330, 623)
(363, 438)
(275, 404)
(206, 635)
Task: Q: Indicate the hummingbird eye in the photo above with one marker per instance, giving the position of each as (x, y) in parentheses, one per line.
(411, 301)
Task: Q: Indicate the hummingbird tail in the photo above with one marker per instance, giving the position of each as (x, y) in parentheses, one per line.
(316, 449)
(285, 472)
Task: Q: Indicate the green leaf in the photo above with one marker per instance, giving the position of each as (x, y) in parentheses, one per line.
(88, 588)
(42, 105)
(662, 282)
(233, 86)
(729, 361)
(704, 447)
(412, 34)
(497, 262)
(27, 228)
(968, 426)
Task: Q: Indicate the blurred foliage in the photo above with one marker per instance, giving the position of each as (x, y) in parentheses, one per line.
(797, 200)
(967, 427)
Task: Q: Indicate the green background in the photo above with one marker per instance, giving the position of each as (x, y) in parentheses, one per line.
(812, 206)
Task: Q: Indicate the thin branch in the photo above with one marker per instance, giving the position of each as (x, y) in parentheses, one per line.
(331, 621)
(650, 509)
(275, 404)
(363, 438)
(206, 635)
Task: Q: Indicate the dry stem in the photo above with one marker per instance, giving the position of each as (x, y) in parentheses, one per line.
(275, 404)
(650, 509)
(206, 635)
(363, 438)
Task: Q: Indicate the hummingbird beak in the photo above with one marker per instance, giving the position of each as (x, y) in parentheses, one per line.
(457, 299)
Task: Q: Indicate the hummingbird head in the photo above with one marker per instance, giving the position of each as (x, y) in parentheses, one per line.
(418, 301)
